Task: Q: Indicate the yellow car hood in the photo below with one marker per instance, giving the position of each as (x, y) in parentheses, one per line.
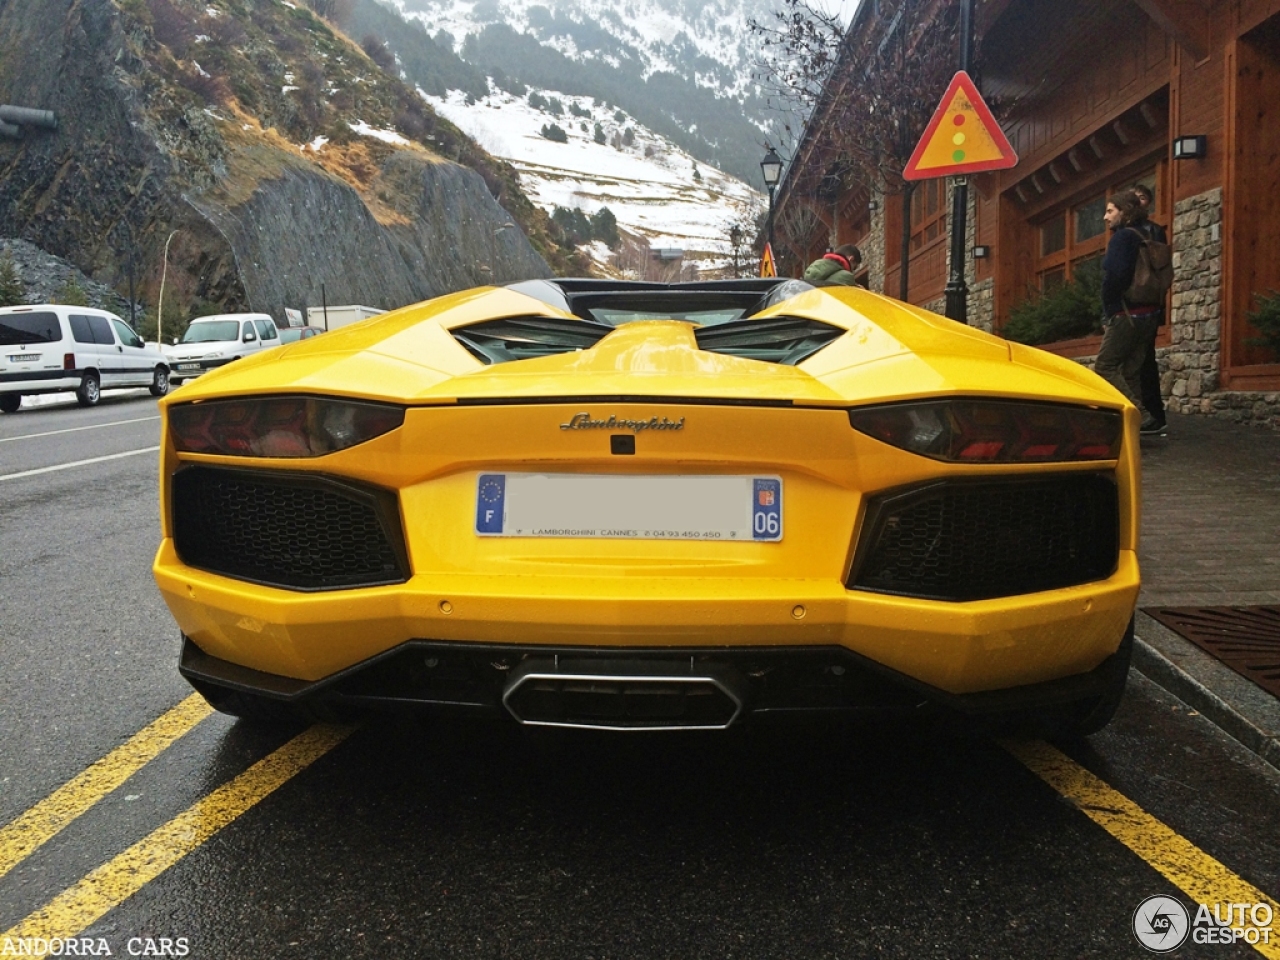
(890, 351)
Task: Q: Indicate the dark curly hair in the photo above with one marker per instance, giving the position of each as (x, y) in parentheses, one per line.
(1130, 207)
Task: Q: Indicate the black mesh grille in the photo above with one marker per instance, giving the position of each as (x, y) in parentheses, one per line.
(304, 532)
(972, 540)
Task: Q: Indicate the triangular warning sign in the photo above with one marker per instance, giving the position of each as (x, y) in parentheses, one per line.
(963, 137)
(767, 268)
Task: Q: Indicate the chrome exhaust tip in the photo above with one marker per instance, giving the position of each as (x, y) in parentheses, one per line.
(624, 695)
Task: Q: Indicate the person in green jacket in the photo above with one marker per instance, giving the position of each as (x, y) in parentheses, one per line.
(835, 268)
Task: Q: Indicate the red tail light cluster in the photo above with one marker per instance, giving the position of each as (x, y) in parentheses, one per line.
(994, 431)
(279, 426)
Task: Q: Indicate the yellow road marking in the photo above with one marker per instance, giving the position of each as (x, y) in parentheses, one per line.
(1189, 868)
(21, 837)
(120, 878)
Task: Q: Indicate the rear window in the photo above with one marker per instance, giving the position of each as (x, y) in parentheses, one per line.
(86, 329)
(39, 327)
(212, 331)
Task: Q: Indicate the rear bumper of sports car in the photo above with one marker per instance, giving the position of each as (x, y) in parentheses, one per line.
(696, 688)
(303, 644)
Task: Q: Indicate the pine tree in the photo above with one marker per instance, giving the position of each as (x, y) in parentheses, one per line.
(12, 289)
(604, 226)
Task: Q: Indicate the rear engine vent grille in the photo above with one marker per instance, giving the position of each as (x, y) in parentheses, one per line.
(973, 540)
(785, 340)
(288, 530)
(519, 338)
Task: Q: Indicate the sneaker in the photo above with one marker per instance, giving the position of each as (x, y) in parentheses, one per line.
(1151, 427)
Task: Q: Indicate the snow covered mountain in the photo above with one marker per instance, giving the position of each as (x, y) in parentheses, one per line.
(707, 41)
(607, 160)
(682, 68)
(651, 105)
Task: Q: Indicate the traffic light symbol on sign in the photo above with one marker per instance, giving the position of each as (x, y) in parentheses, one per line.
(962, 137)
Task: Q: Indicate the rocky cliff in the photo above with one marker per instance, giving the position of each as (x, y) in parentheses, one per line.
(171, 134)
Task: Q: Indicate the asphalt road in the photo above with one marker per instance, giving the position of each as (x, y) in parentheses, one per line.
(210, 838)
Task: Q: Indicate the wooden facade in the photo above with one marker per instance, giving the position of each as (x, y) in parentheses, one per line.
(1092, 94)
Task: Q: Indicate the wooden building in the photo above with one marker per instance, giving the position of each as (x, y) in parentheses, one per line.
(1093, 95)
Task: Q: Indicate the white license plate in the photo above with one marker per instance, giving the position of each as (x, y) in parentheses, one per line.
(611, 506)
(23, 357)
(187, 366)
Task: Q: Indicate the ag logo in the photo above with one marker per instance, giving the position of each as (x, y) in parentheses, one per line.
(1161, 924)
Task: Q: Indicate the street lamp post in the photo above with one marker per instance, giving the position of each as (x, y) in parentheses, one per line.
(164, 272)
(771, 170)
(735, 241)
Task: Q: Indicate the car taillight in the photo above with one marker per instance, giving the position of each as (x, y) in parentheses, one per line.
(279, 426)
(68, 361)
(994, 431)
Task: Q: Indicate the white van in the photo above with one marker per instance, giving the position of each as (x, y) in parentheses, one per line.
(48, 347)
(217, 340)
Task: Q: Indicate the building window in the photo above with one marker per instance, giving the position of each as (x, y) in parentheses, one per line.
(1088, 219)
(928, 216)
(1053, 236)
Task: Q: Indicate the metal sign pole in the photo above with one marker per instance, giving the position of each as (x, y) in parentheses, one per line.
(957, 290)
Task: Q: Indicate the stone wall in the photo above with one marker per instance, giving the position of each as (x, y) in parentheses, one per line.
(872, 246)
(1190, 364)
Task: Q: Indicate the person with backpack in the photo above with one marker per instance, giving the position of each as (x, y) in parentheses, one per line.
(1130, 316)
(1155, 423)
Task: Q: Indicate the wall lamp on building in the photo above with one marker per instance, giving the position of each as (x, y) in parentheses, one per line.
(981, 252)
(1190, 148)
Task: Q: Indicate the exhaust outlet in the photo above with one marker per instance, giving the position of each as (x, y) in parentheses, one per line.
(653, 695)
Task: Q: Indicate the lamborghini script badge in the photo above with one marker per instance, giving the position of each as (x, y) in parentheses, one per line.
(583, 421)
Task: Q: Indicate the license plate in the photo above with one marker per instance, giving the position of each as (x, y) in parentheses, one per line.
(187, 366)
(23, 357)
(610, 506)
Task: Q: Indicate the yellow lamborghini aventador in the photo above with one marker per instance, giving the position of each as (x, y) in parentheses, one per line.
(653, 506)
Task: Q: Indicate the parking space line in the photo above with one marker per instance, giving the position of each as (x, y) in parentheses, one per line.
(1189, 868)
(111, 884)
(92, 426)
(30, 830)
(77, 463)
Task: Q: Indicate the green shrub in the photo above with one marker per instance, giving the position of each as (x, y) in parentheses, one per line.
(72, 294)
(1071, 310)
(1266, 320)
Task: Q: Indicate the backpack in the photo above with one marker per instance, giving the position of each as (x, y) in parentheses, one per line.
(1153, 273)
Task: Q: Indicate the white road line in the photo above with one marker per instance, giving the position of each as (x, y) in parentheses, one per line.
(92, 426)
(77, 463)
